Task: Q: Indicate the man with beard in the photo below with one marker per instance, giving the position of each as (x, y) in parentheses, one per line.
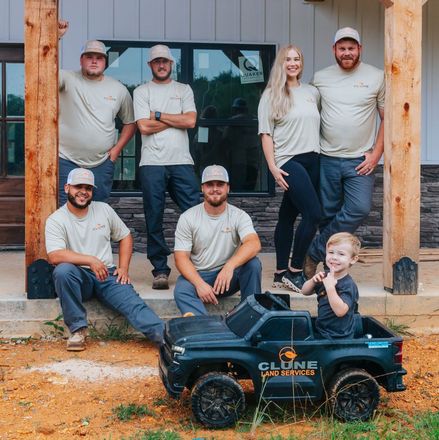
(89, 103)
(164, 109)
(352, 95)
(78, 243)
(215, 248)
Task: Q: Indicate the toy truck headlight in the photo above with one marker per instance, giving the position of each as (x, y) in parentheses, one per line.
(176, 349)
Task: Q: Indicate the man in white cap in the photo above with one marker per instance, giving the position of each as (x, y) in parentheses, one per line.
(89, 103)
(215, 248)
(78, 242)
(352, 96)
(164, 109)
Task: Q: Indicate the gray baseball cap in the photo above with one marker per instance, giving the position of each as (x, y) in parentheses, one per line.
(215, 172)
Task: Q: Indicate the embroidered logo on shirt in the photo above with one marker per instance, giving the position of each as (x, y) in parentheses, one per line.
(110, 98)
(361, 85)
(227, 229)
(98, 226)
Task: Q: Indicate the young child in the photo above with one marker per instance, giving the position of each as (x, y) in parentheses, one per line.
(337, 293)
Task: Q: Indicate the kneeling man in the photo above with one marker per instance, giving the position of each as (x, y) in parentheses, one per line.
(78, 242)
(215, 248)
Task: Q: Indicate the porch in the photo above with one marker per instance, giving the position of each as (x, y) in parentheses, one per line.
(20, 317)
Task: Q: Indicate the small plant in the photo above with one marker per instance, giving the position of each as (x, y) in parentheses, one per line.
(55, 329)
(85, 421)
(112, 331)
(127, 412)
(153, 435)
(399, 329)
(160, 401)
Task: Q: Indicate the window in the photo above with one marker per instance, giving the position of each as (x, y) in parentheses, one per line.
(11, 116)
(227, 80)
(285, 329)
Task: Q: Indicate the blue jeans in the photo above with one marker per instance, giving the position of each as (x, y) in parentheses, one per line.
(103, 180)
(183, 187)
(75, 284)
(346, 199)
(246, 278)
(301, 197)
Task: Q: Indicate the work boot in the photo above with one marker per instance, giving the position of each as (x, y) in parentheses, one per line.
(76, 341)
(309, 267)
(277, 280)
(160, 281)
(294, 280)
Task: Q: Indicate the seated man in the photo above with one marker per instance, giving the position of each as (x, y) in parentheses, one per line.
(215, 248)
(78, 242)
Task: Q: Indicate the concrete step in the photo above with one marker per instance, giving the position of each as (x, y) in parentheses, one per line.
(20, 317)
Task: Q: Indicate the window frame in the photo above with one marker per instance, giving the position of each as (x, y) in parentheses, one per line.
(186, 76)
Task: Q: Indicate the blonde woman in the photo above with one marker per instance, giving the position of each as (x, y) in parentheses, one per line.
(289, 124)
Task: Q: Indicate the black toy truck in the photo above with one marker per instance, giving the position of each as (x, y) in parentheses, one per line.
(263, 340)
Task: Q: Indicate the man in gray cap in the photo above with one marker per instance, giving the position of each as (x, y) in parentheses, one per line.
(78, 242)
(164, 109)
(89, 103)
(352, 96)
(215, 248)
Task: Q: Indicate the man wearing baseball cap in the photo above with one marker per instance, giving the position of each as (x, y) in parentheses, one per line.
(89, 103)
(164, 109)
(215, 248)
(352, 97)
(78, 243)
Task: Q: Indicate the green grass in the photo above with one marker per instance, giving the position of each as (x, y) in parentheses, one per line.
(154, 435)
(113, 331)
(127, 412)
(399, 329)
(56, 330)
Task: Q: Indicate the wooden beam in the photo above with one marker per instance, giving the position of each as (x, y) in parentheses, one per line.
(401, 229)
(41, 130)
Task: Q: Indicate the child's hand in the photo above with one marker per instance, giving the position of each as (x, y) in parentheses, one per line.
(319, 277)
(329, 281)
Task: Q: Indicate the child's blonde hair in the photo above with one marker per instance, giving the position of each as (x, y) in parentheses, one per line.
(345, 237)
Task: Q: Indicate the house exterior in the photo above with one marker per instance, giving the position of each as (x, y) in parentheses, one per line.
(224, 49)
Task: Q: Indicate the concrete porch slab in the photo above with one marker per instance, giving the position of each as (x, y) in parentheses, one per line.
(20, 317)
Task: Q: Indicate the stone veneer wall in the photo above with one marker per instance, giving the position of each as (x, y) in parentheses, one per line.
(263, 211)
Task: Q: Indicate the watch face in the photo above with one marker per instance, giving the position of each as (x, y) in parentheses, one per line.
(157, 115)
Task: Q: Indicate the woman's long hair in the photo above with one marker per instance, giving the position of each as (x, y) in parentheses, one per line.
(280, 98)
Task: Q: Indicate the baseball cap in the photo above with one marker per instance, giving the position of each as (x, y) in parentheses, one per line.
(347, 32)
(215, 172)
(159, 51)
(239, 103)
(94, 46)
(81, 176)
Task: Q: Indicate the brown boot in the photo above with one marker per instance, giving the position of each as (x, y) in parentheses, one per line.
(76, 342)
(309, 267)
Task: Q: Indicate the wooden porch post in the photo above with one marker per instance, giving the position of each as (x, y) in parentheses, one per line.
(41, 117)
(401, 228)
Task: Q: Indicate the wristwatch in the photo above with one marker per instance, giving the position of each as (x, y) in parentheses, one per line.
(157, 115)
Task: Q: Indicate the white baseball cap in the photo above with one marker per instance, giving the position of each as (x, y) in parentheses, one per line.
(160, 51)
(347, 32)
(81, 176)
(94, 46)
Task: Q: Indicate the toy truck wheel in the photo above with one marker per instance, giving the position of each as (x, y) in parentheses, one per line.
(353, 395)
(217, 400)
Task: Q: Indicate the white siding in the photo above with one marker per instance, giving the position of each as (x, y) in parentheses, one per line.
(309, 26)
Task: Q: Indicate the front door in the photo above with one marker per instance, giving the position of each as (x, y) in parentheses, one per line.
(11, 146)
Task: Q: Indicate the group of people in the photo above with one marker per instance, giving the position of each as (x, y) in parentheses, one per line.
(324, 132)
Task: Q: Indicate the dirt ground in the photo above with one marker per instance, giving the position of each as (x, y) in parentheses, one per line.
(49, 393)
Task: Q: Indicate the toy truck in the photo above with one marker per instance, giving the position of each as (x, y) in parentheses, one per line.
(277, 348)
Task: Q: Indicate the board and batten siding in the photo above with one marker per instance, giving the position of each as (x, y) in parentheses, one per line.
(310, 26)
